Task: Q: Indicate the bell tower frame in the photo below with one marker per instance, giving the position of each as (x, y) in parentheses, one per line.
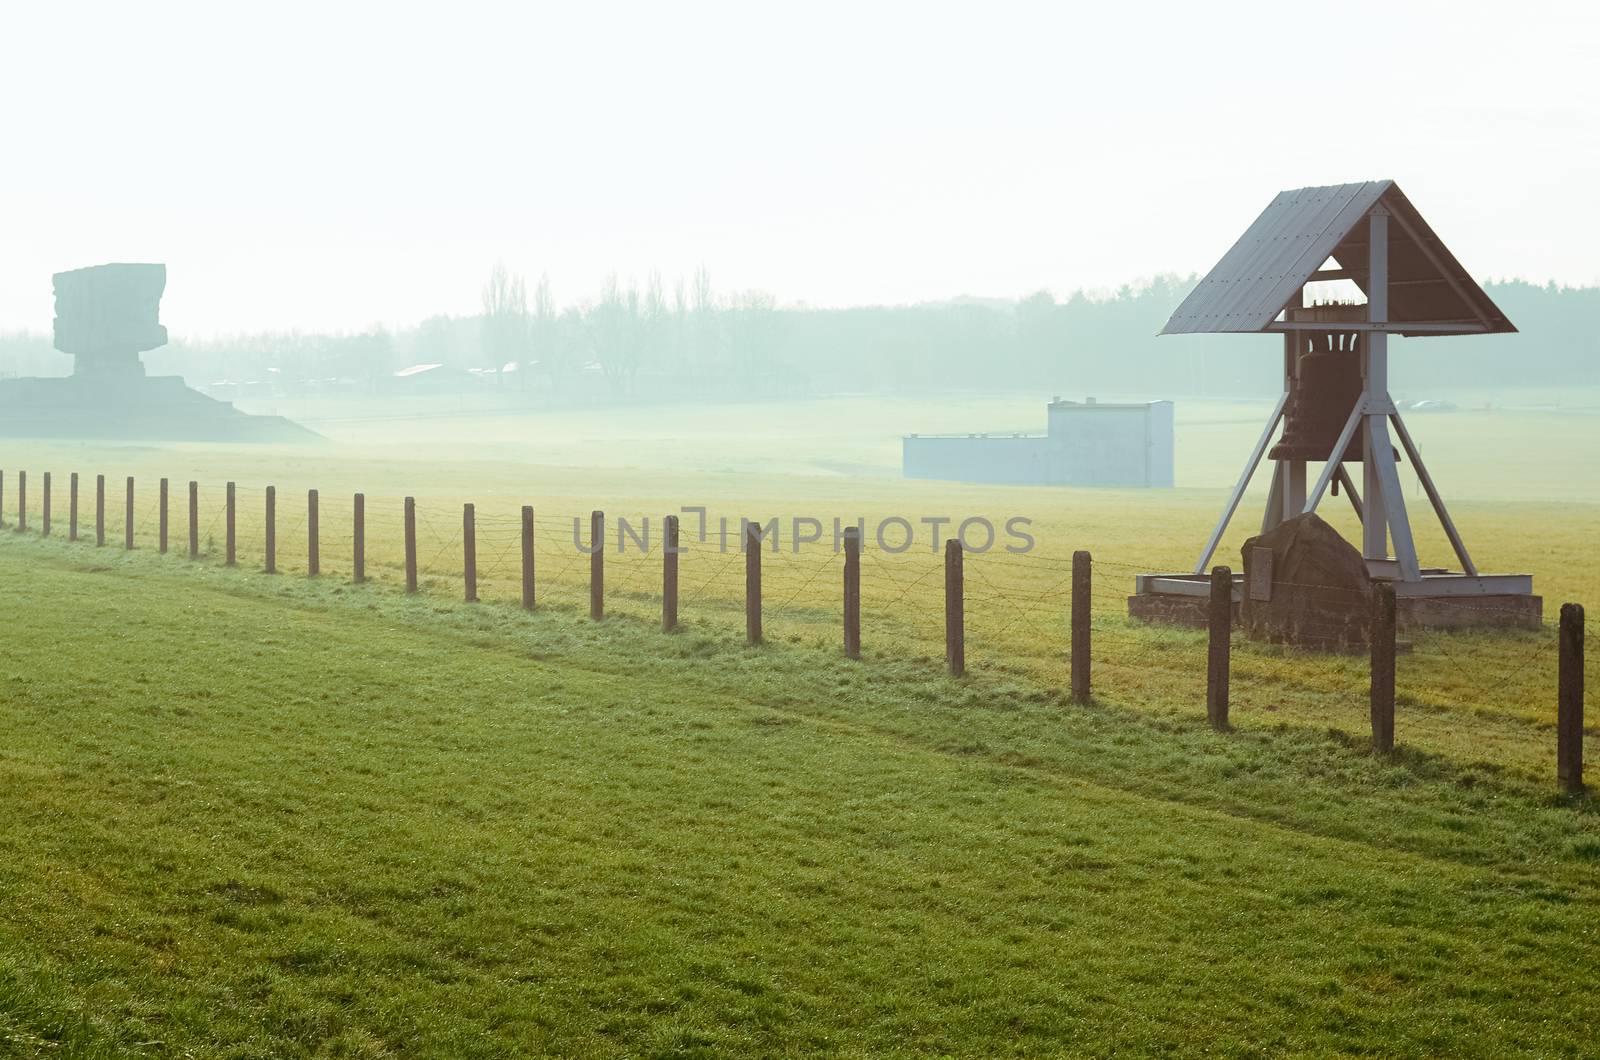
(1414, 287)
(1383, 514)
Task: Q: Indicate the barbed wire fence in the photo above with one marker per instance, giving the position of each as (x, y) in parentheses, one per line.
(1014, 609)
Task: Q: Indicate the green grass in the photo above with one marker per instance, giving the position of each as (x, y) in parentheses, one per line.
(254, 816)
(1523, 488)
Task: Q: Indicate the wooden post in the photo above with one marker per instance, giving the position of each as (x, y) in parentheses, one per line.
(127, 518)
(72, 507)
(1220, 616)
(194, 519)
(527, 557)
(2, 498)
(597, 565)
(669, 575)
(1383, 623)
(99, 511)
(1082, 597)
(313, 535)
(852, 592)
(272, 529)
(358, 540)
(232, 525)
(411, 544)
(752, 584)
(955, 622)
(469, 552)
(22, 501)
(162, 523)
(45, 514)
(1569, 700)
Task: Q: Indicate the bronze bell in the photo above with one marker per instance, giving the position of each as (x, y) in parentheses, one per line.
(1324, 388)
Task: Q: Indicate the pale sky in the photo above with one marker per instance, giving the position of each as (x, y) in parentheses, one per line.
(328, 165)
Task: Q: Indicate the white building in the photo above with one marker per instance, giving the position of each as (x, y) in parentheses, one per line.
(1084, 444)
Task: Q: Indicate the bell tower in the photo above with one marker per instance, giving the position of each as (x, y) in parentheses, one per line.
(1335, 408)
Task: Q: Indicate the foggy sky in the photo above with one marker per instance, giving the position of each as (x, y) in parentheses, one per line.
(323, 166)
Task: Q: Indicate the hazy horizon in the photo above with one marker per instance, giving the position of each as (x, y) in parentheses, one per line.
(331, 169)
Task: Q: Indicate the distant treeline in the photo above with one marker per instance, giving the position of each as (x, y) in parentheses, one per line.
(649, 342)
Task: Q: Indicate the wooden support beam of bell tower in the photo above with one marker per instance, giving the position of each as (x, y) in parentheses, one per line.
(1386, 502)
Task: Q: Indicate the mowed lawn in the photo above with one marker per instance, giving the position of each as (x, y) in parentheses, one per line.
(1522, 487)
(247, 816)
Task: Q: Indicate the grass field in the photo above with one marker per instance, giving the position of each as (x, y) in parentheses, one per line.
(265, 816)
(1524, 489)
(253, 817)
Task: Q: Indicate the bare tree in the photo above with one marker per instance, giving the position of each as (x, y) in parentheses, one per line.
(754, 331)
(505, 317)
(542, 337)
(705, 335)
(655, 324)
(680, 326)
(573, 343)
(616, 331)
(368, 356)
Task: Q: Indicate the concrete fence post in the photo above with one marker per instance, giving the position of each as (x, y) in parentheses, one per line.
(1082, 597)
(232, 527)
(527, 557)
(955, 621)
(752, 583)
(1219, 646)
(852, 592)
(469, 552)
(1383, 667)
(313, 534)
(272, 530)
(1569, 700)
(597, 565)
(358, 540)
(669, 575)
(411, 544)
(194, 519)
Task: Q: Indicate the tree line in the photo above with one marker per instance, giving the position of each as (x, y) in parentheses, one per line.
(686, 340)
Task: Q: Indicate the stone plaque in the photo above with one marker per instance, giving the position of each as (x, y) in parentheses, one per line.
(1261, 574)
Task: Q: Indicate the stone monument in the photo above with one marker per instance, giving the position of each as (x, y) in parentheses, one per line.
(1305, 585)
(106, 316)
